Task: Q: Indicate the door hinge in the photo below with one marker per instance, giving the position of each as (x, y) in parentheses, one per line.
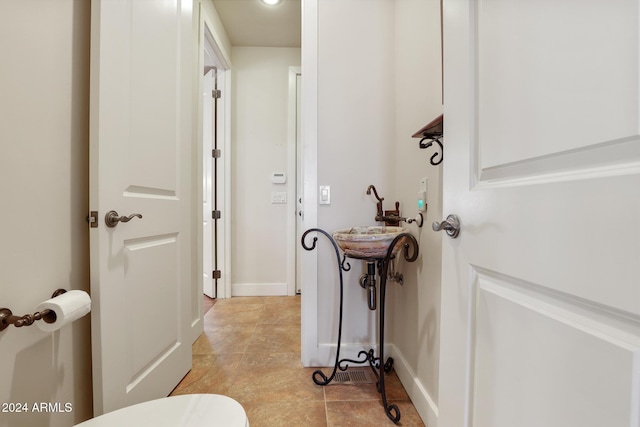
(216, 93)
(216, 214)
(92, 219)
(216, 274)
(216, 153)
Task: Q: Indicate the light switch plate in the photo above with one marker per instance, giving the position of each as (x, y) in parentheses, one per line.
(278, 177)
(422, 194)
(325, 195)
(424, 183)
(278, 197)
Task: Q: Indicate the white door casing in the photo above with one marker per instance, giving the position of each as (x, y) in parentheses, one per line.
(299, 182)
(218, 177)
(223, 183)
(309, 134)
(140, 138)
(541, 290)
(214, 182)
(208, 254)
(294, 154)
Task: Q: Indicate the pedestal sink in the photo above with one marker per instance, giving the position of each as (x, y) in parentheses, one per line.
(372, 245)
(370, 242)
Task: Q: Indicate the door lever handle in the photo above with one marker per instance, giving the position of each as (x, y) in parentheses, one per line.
(451, 226)
(112, 219)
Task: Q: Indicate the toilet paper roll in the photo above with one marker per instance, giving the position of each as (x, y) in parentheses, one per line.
(68, 308)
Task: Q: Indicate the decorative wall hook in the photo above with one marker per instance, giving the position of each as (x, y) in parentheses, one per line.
(8, 318)
(432, 132)
(429, 144)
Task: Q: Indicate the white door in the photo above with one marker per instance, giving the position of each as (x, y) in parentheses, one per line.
(208, 264)
(541, 289)
(140, 139)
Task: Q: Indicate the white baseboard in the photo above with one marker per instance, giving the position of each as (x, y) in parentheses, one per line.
(422, 401)
(258, 289)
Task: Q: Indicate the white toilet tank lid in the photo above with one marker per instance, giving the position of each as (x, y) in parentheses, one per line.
(189, 410)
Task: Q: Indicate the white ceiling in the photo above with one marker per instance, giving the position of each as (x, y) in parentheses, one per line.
(252, 23)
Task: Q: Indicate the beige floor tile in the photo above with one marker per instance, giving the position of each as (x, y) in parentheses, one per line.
(250, 351)
(275, 385)
(286, 414)
(234, 314)
(275, 339)
(281, 314)
(246, 300)
(210, 374)
(224, 339)
(270, 360)
(369, 413)
(295, 300)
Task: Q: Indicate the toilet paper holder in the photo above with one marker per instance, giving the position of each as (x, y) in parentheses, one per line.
(8, 318)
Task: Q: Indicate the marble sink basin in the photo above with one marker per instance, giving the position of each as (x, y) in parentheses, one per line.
(367, 242)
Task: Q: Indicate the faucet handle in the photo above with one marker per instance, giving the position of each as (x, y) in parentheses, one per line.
(419, 220)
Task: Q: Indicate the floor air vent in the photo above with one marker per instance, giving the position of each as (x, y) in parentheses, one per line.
(354, 376)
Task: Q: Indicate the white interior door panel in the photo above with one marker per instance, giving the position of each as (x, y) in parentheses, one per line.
(140, 154)
(541, 290)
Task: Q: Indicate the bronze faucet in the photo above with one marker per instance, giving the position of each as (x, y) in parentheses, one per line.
(379, 214)
(390, 217)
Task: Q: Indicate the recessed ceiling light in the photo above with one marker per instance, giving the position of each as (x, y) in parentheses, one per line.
(271, 2)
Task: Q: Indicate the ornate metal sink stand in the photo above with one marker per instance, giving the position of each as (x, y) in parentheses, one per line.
(410, 253)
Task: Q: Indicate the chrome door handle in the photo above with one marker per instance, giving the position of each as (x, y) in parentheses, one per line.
(112, 219)
(451, 226)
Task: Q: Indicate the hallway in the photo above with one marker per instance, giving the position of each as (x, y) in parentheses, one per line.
(250, 351)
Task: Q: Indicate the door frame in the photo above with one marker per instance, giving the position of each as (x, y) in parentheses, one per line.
(208, 38)
(295, 168)
(223, 179)
(208, 204)
(309, 134)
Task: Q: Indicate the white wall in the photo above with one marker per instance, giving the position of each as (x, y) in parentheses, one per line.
(379, 81)
(259, 138)
(356, 148)
(44, 187)
(414, 314)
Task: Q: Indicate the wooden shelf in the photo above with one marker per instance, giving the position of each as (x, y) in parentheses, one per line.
(432, 129)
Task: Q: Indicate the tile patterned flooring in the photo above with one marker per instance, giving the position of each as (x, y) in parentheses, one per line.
(250, 351)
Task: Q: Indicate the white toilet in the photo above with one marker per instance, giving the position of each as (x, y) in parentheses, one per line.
(189, 410)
